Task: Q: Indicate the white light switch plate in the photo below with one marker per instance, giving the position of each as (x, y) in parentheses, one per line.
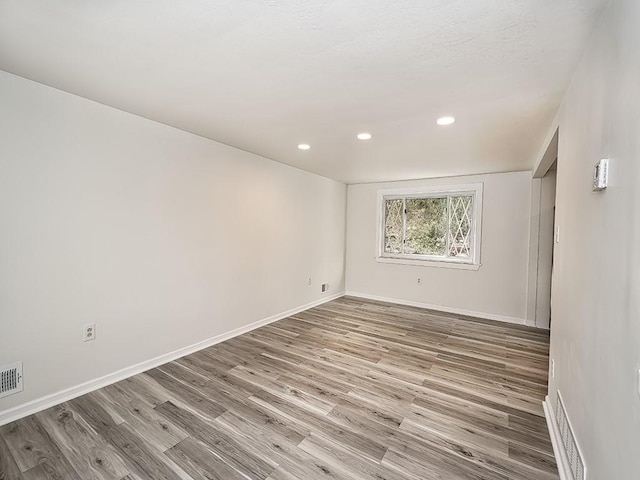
(601, 175)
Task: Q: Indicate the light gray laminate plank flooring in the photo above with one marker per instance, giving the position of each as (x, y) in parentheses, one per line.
(352, 389)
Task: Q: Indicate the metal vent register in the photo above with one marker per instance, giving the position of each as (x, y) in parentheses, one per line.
(11, 379)
(569, 442)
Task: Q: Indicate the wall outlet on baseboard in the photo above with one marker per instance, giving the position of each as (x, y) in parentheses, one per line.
(89, 332)
(325, 287)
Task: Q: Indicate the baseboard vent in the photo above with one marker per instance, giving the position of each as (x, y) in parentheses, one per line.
(569, 443)
(11, 379)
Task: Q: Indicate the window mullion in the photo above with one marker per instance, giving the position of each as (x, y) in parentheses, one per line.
(472, 225)
(447, 252)
(404, 223)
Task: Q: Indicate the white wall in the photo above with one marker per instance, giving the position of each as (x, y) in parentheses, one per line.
(161, 237)
(595, 328)
(497, 290)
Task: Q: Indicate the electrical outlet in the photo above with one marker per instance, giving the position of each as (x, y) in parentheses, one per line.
(309, 281)
(325, 287)
(553, 368)
(419, 280)
(89, 332)
(557, 235)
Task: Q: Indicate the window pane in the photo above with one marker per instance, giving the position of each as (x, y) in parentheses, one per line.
(460, 226)
(426, 226)
(393, 226)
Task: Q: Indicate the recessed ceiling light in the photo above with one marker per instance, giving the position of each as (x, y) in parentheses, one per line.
(364, 136)
(304, 146)
(445, 121)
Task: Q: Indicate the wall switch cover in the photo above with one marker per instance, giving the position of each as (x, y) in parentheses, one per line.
(601, 175)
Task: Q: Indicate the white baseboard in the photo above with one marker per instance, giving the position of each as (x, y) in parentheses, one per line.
(564, 467)
(440, 308)
(56, 398)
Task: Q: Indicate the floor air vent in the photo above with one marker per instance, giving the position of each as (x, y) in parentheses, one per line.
(569, 442)
(11, 379)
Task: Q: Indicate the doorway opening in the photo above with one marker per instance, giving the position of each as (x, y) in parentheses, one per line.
(543, 238)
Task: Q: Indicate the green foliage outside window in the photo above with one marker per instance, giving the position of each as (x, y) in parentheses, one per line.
(432, 226)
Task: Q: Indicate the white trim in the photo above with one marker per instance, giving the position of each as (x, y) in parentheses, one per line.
(473, 263)
(429, 263)
(440, 308)
(47, 401)
(534, 248)
(432, 190)
(564, 466)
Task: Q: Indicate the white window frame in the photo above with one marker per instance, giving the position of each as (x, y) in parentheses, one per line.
(470, 263)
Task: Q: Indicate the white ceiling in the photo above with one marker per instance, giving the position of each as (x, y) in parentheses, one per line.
(265, 75)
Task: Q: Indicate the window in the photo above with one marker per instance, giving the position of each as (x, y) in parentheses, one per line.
(438, 226)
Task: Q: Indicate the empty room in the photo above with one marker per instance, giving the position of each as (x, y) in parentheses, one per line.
(280, 240)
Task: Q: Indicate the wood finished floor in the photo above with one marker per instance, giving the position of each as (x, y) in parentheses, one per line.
(351, 389)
